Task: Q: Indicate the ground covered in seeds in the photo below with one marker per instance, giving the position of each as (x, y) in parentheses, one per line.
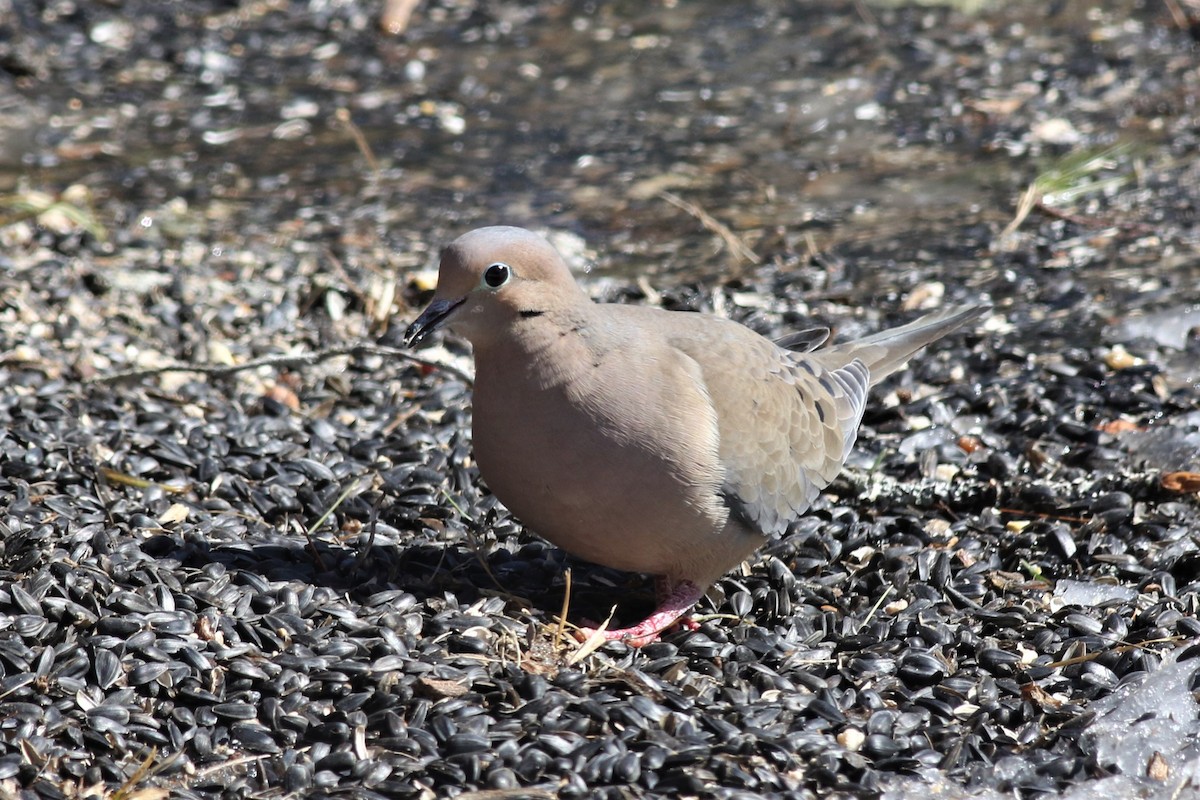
(280, 576)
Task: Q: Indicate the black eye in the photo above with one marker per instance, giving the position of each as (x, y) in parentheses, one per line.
(497, 275)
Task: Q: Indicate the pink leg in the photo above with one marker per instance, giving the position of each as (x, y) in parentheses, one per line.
(677, 602)
(662, 591)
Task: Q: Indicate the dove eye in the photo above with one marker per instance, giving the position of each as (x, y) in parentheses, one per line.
(496, 275)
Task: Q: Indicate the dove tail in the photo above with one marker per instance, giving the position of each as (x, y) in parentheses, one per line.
(885, 352)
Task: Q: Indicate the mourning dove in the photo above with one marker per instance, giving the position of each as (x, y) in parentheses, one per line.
(661, 442)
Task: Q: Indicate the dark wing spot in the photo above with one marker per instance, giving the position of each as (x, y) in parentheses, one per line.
(738, 508)
(820, 411)
(824, 381)
(530, 313)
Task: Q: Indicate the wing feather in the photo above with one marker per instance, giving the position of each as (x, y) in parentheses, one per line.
(788, 414)
(786, 422)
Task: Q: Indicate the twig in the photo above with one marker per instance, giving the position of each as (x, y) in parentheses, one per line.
(301, 360)
(1043, 515)
(526, 793)
(342, 115)
(1121, 648)
(340, 268)
(740, 250)
(1178, 15)
(396, 15)
(1091, 222)
(213, 769)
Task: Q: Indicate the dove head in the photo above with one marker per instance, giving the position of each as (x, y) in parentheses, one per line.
(491, 278)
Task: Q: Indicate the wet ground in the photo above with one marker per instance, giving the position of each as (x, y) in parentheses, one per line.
(288, 579)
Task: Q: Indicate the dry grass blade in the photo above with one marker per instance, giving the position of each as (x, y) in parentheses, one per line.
(566, 606)
(354, 488)
(594, 642)
(114, 476)
(874, 608)
(738, 248)
(69, 210)
(1066, 180)
(1029, 200)
(144, 770)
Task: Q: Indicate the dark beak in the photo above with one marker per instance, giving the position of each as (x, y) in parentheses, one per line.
(430, 320)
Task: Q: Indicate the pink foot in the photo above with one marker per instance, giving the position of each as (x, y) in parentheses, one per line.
(672, 608)
(662, 594)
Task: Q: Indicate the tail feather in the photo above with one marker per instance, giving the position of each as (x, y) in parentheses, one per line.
(887, 351)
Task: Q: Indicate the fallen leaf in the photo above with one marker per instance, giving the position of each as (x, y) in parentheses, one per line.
(1118, 426)
(1182, 482)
